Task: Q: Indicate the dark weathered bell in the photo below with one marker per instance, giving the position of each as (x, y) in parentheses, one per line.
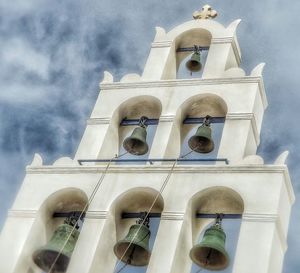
(210, 253)
(202, 142)
(138, 253)
(194, 64)
(56, 254)
(136, 144)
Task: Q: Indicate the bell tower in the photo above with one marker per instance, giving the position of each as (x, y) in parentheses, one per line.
(164, 163)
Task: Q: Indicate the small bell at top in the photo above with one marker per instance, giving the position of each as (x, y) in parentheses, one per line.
(136, 144)
(194, 64)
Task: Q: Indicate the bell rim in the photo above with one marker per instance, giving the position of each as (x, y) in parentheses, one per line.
(190, 67)
(134, 264)
(222, 250)
(44, 249)
(211, 146)
(144, 151)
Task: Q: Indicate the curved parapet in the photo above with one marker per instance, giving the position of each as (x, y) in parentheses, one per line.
(160, 33)
(132, 77)
(281, 159)
(231, 29)
(258, 70)
(107, 77)
(251, 160)
(64, 161)
(37, 160)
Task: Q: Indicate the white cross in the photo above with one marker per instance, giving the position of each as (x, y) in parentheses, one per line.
(206, 13)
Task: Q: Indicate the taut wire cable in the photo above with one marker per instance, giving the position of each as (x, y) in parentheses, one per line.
(98, 184)
(151, 207)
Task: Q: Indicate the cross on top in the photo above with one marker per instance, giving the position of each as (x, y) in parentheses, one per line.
(206, 13)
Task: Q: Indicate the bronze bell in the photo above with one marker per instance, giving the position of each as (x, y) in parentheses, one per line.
(202, 142)
(194, 64)
(56, 254)
(134, 248)
(210, 253)
(136, 144)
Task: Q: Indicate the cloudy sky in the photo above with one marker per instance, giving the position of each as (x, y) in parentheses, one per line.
(53, 54)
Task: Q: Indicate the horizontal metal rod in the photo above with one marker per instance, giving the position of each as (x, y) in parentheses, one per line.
(200, 120)
(128, 215)
(188, 120)
(131, 122)
(150, 160)
(186, 49)
(68, 214)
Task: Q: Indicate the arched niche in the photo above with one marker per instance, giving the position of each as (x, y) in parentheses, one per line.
(64, 200)
(133, 108)
(214, 200)
(196, 36)
(135, 200)
(197, 106)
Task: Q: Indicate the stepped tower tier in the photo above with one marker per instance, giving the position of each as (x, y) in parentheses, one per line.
(179, 191)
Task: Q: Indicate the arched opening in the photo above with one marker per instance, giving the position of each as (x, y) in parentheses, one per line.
(196, 107)
(54, 223)
(117, 226)
(205, 204)
(125, 120)
(135, 201)
(184, 46)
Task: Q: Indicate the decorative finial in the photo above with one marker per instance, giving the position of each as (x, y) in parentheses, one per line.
(206, 13)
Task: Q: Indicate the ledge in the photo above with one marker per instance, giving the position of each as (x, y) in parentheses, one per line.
(188, 82)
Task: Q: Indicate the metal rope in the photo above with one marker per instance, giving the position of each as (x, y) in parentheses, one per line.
(98, 184)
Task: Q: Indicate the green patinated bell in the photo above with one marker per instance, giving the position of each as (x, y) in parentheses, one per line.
(138, 254)
(202, 142)
(136, 144)
(194, 64)
(210, 253)
(55, 253)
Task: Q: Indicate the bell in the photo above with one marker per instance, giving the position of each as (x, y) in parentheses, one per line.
(138, 253)
(201, 142)
(136, 144)
(210, 253)
(194, 64)
(57, 253)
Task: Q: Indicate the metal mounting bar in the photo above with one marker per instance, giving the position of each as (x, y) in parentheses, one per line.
(132, 122)
(186, 49)
(150, 160)
(213, 215)
(68, 214)
(200, 120)
(128, 215)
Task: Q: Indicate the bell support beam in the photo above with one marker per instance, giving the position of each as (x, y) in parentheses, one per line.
(188, 120)
(150, 160)
(126, 215)
(188, 49)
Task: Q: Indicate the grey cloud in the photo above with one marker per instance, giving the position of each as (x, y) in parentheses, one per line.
(53, 54)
